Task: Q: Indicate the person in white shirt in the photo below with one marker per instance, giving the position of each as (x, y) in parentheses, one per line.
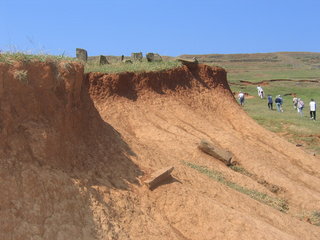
(241, 98)
(313, 107)
(259, 91)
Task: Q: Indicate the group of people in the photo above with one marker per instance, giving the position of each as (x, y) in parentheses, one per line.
(278, 101)
(298, 104)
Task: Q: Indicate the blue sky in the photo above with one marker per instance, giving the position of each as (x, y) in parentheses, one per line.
(169, 27)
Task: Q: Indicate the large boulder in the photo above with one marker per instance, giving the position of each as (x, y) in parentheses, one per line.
(137, 56)
(82, 54)
(153, 57)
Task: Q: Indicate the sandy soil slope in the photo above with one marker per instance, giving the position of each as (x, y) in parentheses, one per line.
(74, 149)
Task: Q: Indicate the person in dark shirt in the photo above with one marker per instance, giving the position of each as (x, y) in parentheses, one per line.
(270, 102)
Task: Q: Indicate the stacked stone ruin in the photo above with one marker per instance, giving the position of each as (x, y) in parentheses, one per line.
(137, 56)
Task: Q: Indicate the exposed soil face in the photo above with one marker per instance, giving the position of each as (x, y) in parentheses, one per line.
(131, 85)
(54, 146)
(74, 149)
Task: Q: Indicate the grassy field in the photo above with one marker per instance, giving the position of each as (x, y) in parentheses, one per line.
(256, 75)
(295, 128)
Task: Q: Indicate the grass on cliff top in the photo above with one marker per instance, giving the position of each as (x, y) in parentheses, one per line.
(8, 57)
(135, 66)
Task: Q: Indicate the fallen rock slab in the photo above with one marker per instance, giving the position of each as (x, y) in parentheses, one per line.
(188, 61)
(158, 176)
(215, 151)
(137, 56)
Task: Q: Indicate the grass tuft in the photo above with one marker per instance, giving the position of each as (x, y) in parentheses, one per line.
(315, 218)
(21, 75)
(242, 170)
(312, 217)
(277, 203)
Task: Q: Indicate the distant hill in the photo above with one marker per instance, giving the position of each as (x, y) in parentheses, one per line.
(293, 59)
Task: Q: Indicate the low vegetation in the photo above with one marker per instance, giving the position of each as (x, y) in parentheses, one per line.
(313, 217)
(21, 75)
(9, 58)
(242, 170)
(277, 203)
(135, 66)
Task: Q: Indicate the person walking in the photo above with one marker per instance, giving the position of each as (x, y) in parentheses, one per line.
(241, 98)
(300, 106)
(279, 102)
(295, 102)
(313, 107)
(270, 102)
(260, 92)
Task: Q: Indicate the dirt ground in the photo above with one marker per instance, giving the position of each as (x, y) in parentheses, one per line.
(74, 149)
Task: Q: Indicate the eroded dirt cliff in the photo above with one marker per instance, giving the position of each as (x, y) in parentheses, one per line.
(75, 148)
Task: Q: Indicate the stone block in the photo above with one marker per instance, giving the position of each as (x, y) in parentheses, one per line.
(137, 56)
(158, 176)
(103, 60)
(187, 62)
(82, 54)
(153, 57)
(216, 152)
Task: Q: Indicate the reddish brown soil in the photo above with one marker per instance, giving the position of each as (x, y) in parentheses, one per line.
(74, 149)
